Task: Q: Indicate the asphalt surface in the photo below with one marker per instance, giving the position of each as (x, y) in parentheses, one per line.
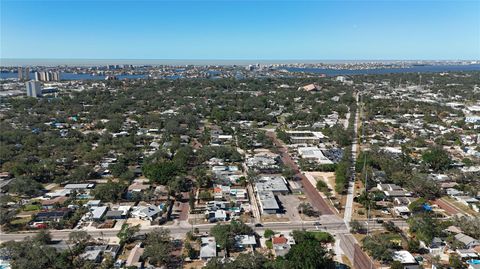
(183, 228)
(351, 184)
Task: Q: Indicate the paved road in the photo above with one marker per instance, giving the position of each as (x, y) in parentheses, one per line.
(183, 228)
(315, 198)
(448, 207)
(354, 252)
(330, 224)
(347, 216)
(357, 256)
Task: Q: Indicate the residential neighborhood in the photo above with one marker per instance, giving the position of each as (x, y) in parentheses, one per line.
(340, 172)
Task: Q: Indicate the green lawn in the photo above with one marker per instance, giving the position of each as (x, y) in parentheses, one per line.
(32, 207)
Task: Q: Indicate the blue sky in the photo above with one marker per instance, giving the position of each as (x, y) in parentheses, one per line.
(224, 29)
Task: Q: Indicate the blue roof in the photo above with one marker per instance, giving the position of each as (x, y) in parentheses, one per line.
(427, 207)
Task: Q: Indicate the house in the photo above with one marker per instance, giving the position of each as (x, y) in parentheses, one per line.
(309, 88)
(238, 196)
(396, 193)
(469, 201)
(403, 201)
(99, 212)
(245, 241)
(54, 216)
(125, 210)
(215, 205)
(402, 211)
(79, 186)
(468, 241)
(115, 214)
(220, 191)
(217, 215)
(392, 190)
(134, 258)
(453, 230)
(436, 247)
(92, 254)
(146, 212)
(59, 193)
(110, 249)
(453, 192)
(136, 188)
(93, 203)
(389, 187)
(50, 204)
(282, 245)
(208, 248)
(406, 258)
(97, 252)
(467, 254)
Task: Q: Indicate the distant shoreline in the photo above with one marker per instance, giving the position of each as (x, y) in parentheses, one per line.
(8, 62)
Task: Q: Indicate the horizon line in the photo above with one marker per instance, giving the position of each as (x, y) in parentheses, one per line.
(9, 62)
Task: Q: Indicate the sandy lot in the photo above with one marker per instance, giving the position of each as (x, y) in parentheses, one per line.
(327, 177)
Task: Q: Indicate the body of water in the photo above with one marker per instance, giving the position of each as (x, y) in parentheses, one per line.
(413, 69)
(94, 62)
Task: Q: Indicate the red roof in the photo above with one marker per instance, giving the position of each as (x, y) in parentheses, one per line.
(279, 240)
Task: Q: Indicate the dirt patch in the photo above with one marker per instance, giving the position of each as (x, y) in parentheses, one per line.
(142, 223)
(274, 218)
(346, 261)
(194, 265)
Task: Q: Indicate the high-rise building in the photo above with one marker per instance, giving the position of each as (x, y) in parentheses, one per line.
(47, 76)
(23, 73)
(26, 76)
(56, 76)
(20, 73)
(34, 88)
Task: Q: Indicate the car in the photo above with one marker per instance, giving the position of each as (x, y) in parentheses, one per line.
(380, 221)
(258, 225)
(317, 223)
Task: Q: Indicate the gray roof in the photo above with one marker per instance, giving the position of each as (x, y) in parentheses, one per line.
(91, 255)
(267, 200)
(114, 213)
(79, 186)
(275, 184)
(467, 240)
(208, 248)
(148, 211)
(98, 212)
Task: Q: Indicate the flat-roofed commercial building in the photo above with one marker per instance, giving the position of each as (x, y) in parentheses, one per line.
(268, 202)
(275, 184)
(313, 154)
(305, 137)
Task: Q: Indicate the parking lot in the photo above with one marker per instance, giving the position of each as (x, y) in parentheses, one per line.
(290, 203)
